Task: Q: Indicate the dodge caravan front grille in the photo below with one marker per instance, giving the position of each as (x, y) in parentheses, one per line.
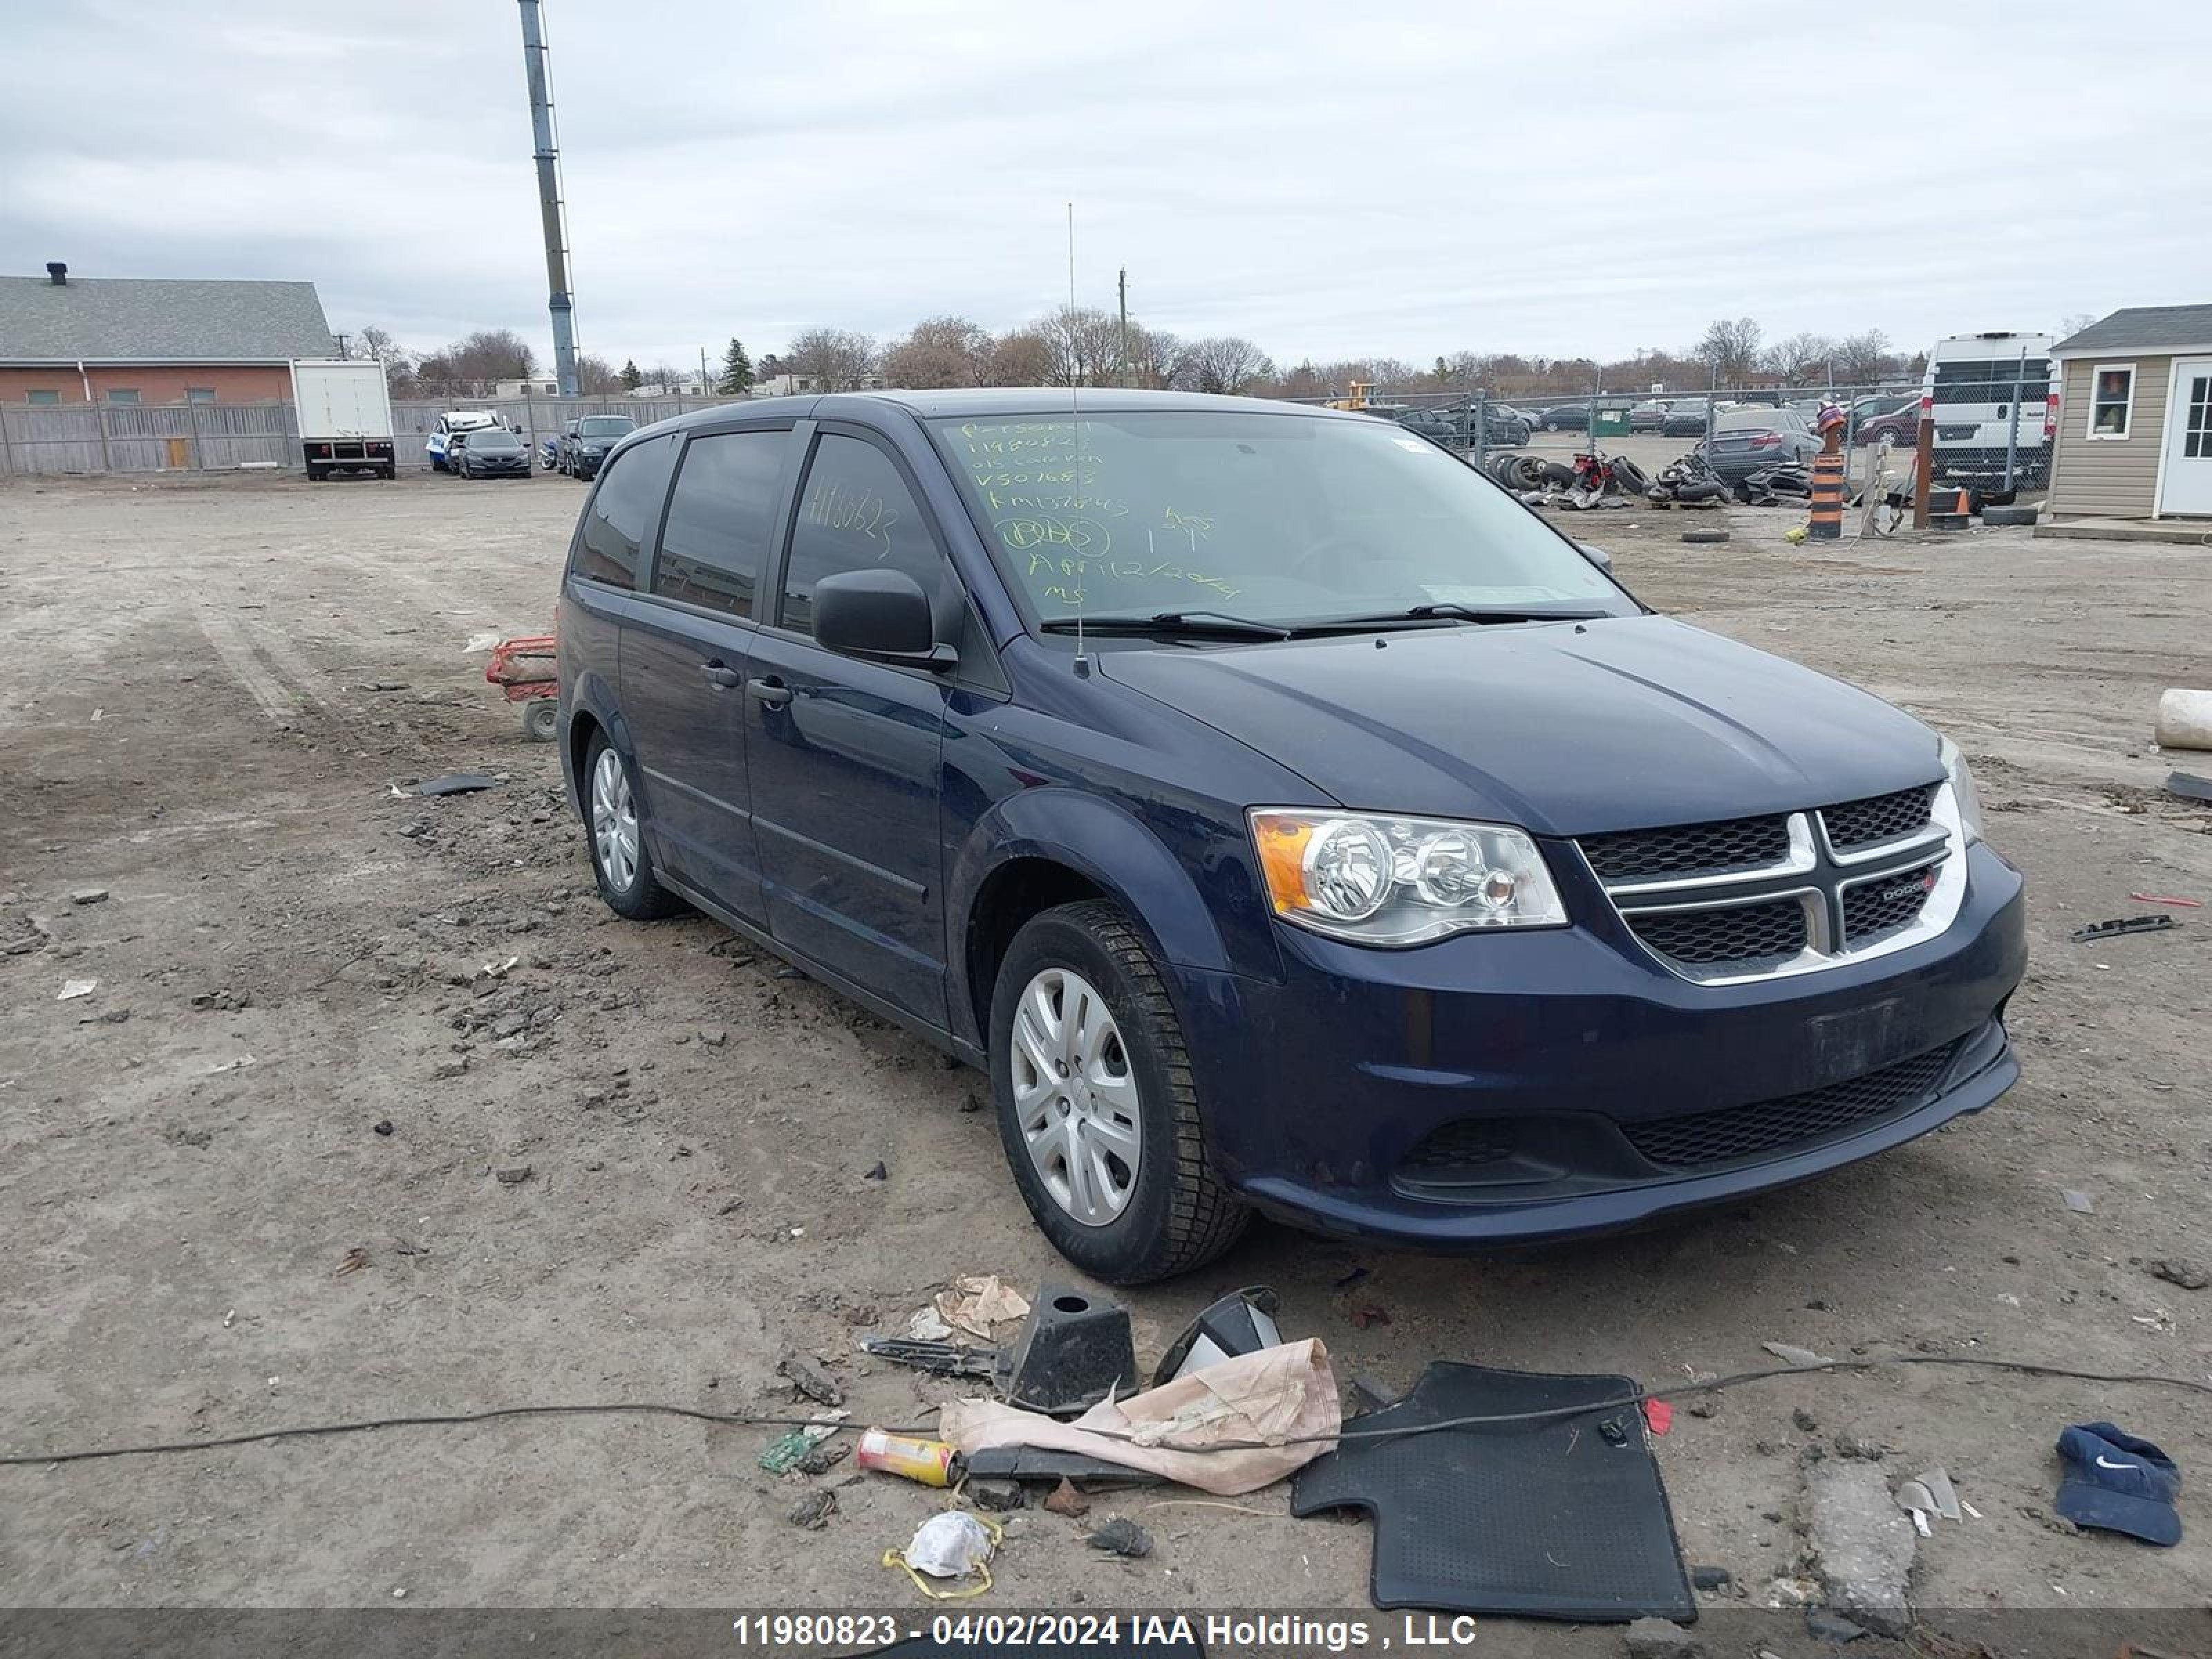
(1878, 818)
(1755, 897)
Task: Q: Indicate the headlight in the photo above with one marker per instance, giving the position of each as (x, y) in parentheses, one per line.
(1381, 880)
(1962, 790)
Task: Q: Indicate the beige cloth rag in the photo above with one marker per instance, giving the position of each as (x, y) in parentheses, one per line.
(1276, 1396)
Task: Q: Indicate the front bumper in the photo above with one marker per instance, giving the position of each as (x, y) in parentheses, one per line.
(1592, 1089)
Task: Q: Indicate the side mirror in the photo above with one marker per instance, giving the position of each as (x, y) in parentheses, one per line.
(1597, 556)
(879, 615)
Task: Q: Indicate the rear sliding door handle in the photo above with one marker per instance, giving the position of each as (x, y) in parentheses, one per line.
(771, 692)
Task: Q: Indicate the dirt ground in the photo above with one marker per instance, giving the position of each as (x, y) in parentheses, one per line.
(299, 1158)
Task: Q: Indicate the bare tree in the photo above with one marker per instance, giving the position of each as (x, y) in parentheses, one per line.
(666, 376)
(2074, 322)
(1862, 359)
(1020, 358)
(469, 366)
(596, 377)
(834, 359)
(1303, 381)
(939, 351)
(1153, 356)
(1083, 344)
(1801, 360)
(400, 376)
(1222, 362)
(1730, 350)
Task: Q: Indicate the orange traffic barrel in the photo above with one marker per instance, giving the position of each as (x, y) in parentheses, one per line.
(1828, 522)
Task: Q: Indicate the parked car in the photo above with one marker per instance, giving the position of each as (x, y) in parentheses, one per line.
(548, 447)
(1897, 419)
(448, 426)
(1565, 418)
(587, 443)
(1650, 416)
(1431, 423)
(492, 452)
(1685, 418)
(1236, 917)
(1746, 440)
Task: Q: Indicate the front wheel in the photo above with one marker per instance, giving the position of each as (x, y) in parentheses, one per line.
(1098, 1108)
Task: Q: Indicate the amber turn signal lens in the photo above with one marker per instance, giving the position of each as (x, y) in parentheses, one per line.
(1282, 840)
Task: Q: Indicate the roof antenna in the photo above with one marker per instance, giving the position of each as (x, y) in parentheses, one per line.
(1075, 411)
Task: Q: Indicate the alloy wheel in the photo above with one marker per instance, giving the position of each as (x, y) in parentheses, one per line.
(613, 821)
(1075, 1096)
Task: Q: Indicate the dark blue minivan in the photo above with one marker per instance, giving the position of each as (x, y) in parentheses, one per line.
(1288, 819)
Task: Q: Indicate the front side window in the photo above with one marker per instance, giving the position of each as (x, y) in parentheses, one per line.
(720, 520)
(2112, 400)
(123, 396)
(631, 488)
(1283, 519)
(854, 513)
(42, 396)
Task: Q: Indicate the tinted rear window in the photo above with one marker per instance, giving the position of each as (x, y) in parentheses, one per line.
(720, 520)
(623, 509)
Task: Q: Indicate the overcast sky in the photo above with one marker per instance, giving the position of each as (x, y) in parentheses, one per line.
(1331, 179)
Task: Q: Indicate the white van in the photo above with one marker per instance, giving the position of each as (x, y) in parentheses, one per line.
(1991, 395)
(457, 420)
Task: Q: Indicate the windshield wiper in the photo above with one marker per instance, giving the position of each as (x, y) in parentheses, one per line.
(1218, 623)
(1452, 611)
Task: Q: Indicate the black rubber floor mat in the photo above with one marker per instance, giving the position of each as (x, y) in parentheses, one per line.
(1552, 1519)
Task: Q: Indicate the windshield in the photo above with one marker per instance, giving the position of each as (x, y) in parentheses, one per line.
(470, 422)
(1275, 518)
(604, 426)
(497, 437)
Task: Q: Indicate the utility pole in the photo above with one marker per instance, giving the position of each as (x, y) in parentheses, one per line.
(561, 301)
(1123, 286)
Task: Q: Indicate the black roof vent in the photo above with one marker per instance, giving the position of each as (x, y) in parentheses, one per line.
(58, 273)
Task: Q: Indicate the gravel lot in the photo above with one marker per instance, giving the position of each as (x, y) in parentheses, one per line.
(212, 687)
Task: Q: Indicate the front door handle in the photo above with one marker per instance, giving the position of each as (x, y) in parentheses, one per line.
(721, 676)
(771, 691)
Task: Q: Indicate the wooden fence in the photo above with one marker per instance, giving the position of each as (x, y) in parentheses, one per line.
(59, 438)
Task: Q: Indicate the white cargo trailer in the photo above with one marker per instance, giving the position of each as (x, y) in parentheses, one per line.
(345, 417)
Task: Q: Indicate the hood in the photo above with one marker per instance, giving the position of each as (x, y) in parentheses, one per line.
(1567, 730)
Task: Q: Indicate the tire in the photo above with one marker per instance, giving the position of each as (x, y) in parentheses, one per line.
(1630, 477)
(1556, 473)
(318, 475)
(2005, 515)
(642, 898)
(1699, 536)
(1174, 1214)
(541, 719)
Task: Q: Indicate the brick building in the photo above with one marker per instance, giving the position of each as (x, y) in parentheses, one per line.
(69, 339)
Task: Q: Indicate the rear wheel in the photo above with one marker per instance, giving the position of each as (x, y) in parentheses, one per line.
(619, 858)
(1098, 1108)
(541, 719)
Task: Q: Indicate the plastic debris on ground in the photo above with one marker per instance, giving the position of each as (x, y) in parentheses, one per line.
(456, 783)
(955, 1545)
(2119, 924)
(1790, 1354)
(1244, 1321)
(1930, 1494)
(937, 1358)
(1074, 1351)
(783, 1453)
(976, 1304)
(73, 988)
(1276, 1396)
(809, 1381)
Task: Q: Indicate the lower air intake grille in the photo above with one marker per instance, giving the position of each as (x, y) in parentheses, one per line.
(1742, 1132)
(1469, 1144)
(1739, 933)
